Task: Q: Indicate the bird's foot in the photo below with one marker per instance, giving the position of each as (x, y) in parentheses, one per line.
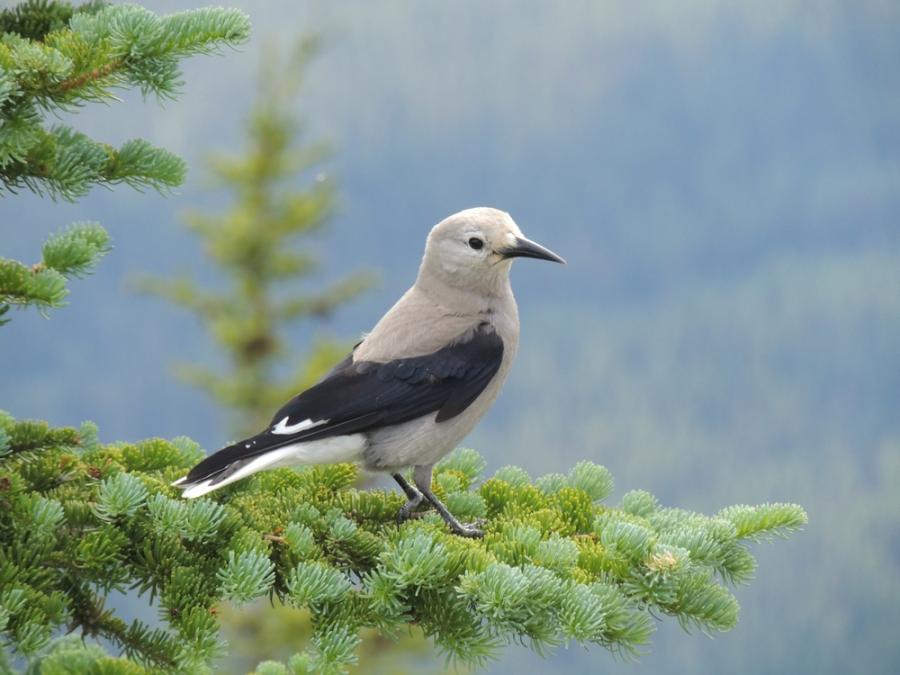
(408, 510)
(469, 530)
(414, 497)
(423, 482)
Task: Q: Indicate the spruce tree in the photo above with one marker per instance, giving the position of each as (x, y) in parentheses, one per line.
(80, 519)
(261, 246)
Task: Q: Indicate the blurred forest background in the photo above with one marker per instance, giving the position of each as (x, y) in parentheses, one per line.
(724, 181)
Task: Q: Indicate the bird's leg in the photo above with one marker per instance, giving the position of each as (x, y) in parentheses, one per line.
(422, 476)
(414, 496)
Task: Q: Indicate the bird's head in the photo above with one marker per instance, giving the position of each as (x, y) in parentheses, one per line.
(473, 250)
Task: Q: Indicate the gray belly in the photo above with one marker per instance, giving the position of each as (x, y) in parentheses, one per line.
(418, 442)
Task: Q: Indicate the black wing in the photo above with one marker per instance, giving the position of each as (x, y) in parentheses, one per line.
(366, 395)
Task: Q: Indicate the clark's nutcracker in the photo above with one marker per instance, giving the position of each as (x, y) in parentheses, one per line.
(414, 386)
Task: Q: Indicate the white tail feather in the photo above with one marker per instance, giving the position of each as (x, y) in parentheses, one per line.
(324, 451)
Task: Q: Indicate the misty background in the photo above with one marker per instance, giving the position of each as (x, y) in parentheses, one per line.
(724, 181)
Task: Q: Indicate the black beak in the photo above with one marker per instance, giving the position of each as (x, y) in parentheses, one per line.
(525, 248)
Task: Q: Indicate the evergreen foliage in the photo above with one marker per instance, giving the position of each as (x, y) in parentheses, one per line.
(56, 58)
(72, 253)
(81, 519)
(277, 200)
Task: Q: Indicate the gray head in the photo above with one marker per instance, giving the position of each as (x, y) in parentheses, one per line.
(473, 251)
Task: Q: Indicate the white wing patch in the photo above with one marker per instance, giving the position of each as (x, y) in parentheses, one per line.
(283, 428)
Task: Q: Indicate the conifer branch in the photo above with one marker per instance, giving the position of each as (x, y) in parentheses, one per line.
(72, 253)
(56, 56)
(92, 76)
(556, 565)
(98, 50)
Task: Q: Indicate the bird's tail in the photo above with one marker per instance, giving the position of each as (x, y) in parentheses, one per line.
(231, 464)
(266, 451)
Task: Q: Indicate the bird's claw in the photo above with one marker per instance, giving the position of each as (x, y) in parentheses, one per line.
(403, 516)
(408, 510)
(469, 530)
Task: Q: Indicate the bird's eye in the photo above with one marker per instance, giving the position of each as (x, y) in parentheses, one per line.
(476, 243)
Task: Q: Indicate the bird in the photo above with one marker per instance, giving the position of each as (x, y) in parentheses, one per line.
(412, 388)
